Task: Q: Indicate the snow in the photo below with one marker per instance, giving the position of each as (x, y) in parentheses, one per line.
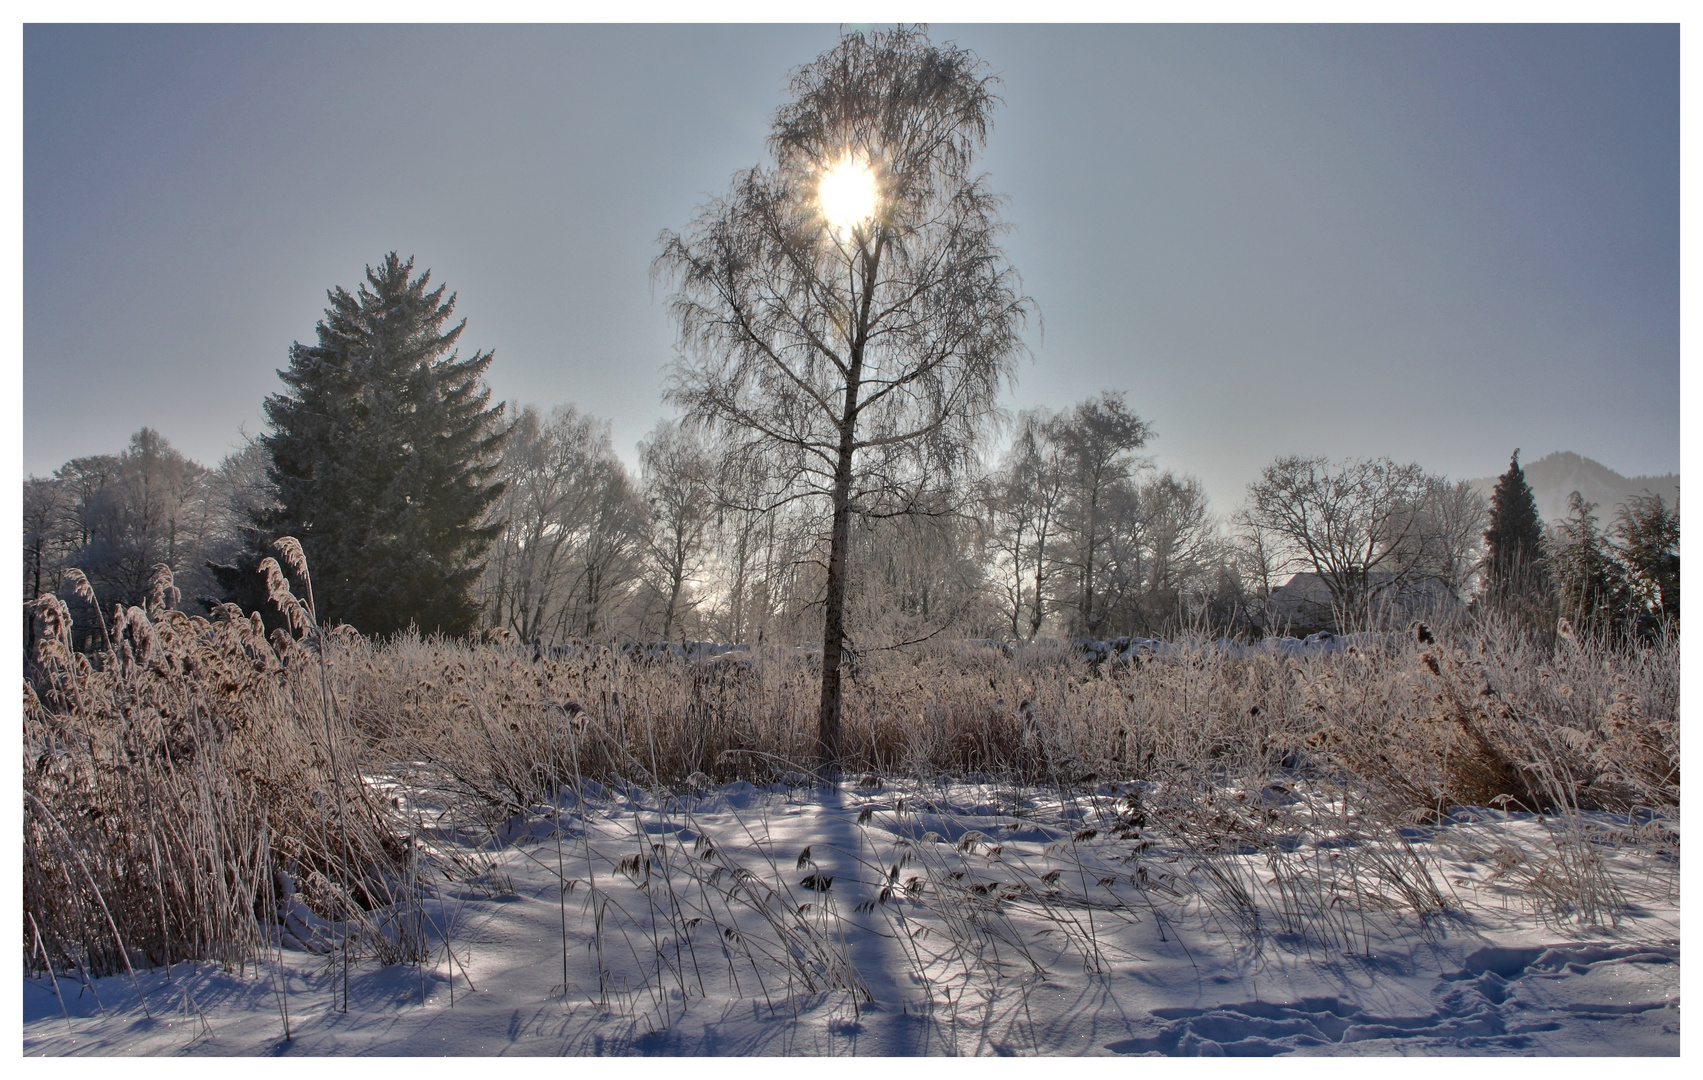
(974, 919)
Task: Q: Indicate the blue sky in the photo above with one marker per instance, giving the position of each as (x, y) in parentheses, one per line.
(1436, 243)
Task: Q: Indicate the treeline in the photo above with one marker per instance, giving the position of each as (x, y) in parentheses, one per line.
(1071, 531)
(421, 504)
(117, 516)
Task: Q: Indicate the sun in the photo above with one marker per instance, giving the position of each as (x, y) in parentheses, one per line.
(848, 193)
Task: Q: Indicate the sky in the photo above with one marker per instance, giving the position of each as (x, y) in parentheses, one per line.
(1432, 243)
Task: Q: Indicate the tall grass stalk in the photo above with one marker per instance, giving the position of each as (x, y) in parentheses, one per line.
(179, 804)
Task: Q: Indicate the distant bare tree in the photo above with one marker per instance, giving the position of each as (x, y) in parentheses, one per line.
(1098, 440)
(1259, 559)
(1021, 502)
(1450, 533)
(1070, 526)
(47, 539)
(763, 566)
(1350, 523)
(923, 578)
(608, 564)
(681, 506)
(572, 526)
(1161, 563)
(148, 505)
(1184, 553)
(740, 529)
(846, 311)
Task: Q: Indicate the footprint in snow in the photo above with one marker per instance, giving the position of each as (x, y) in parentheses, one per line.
(1501, 999)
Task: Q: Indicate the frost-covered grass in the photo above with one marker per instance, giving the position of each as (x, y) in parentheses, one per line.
(593, 852)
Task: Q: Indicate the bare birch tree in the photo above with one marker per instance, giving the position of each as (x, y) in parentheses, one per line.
(845, 311)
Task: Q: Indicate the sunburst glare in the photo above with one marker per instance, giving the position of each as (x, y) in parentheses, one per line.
(848, 193)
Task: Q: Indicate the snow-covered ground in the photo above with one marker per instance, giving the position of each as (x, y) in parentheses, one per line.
(954, 919)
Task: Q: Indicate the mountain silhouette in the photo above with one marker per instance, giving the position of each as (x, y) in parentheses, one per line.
(1555, 476)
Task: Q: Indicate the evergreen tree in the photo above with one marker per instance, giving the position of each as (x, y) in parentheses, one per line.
(1590, 586)
(1648, 533)
(382, 452)
(1514, 572)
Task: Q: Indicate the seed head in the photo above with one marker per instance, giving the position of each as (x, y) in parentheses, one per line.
(292, 551)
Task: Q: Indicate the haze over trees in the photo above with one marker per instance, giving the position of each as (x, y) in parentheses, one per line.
(1647, 533)
(685, 550)
(697, 545)
(838, 470)
(1555, 476)
(1067, 516)
(676, 491)
(116, 516)
(1082, 534)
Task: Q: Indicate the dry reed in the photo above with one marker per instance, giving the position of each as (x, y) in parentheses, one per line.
(181, 800)
(178, 802)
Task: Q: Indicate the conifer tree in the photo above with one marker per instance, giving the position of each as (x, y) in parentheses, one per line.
(1513, 557)
(1590, 585)
(1648, 533)
(383, 451)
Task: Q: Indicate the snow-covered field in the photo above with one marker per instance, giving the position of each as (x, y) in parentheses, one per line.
(953, 918)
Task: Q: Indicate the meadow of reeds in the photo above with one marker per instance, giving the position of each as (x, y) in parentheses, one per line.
(196, 789)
